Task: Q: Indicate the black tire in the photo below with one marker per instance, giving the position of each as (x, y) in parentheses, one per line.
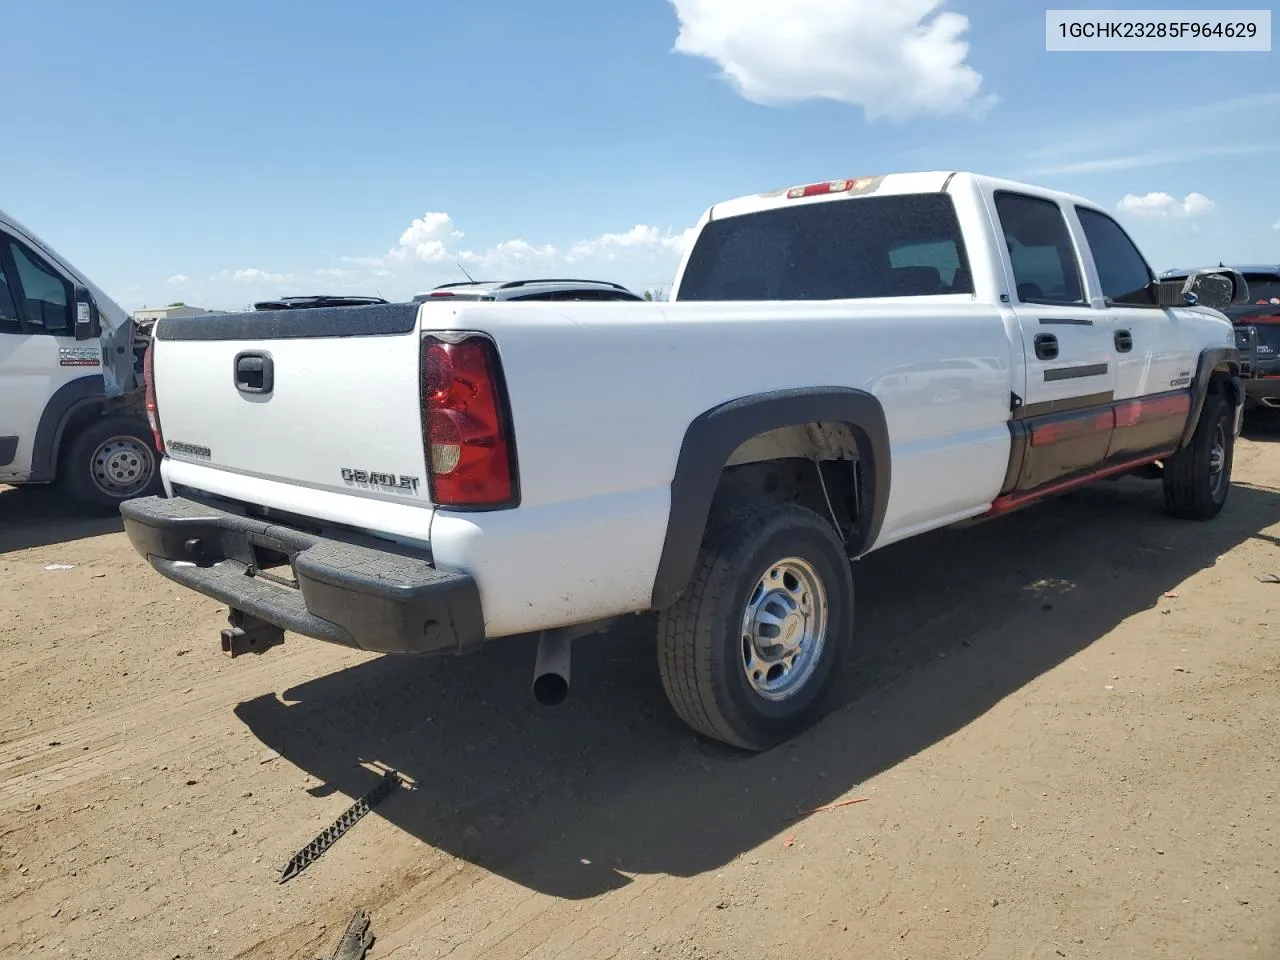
(1197, 478)
(702, 650)
(110, 460)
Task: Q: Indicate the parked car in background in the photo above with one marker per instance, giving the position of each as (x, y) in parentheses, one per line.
(71, 398)
(530, 290)
(1257, 329)
(316, 301)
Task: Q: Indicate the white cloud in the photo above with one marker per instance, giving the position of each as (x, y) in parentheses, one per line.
(178, 279)
(426, 239)
(428, 253)
(1160, 206)
(1276, 225)
(254, 275)
(612, 246)
(336, 273)
(431, 240)
(893, 58)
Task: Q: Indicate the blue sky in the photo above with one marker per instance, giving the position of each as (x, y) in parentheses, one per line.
(215, 153)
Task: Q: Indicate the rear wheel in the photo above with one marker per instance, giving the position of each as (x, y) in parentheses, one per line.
(1197, 478)
(111, 460)
(750, 651)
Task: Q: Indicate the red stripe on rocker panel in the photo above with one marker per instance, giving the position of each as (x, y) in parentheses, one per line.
(1047, 434)
(1129, 413)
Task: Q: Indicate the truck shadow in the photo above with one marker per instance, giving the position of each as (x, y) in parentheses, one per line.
(569, 801)
(43, 516)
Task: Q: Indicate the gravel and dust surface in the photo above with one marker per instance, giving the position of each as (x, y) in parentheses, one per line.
(1066, 723)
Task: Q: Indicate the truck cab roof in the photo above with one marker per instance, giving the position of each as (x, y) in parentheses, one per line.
(934, 181)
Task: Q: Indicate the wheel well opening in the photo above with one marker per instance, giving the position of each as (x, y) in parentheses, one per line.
(76, 421)
(1222, 382)
(815, 465)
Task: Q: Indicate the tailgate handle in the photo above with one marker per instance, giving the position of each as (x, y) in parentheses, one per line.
(254, 372)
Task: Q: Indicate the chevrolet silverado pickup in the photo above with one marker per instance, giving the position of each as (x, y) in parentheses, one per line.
(841, 365)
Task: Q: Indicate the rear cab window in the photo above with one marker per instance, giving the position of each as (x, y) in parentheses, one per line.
(1264, 288)
(893, 246)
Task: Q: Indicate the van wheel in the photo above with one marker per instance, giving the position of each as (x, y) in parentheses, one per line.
(111, 460)
(1197, 478)
(751, 649)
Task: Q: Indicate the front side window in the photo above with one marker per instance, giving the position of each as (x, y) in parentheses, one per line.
(46, 296)
(895, 246)
(1040, 250)
(9, 322)
(1122, 271)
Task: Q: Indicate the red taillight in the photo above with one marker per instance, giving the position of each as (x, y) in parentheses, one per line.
(465, 425)
(153, 409)
(441, 293)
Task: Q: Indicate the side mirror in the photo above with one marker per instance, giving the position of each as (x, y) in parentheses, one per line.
(1216, 289)
(88, 322)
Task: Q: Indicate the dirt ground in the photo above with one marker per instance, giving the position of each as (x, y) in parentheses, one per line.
(1067, 723)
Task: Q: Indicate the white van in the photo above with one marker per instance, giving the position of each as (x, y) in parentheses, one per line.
(71, 397)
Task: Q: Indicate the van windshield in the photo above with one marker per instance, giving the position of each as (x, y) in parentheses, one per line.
(896, 246)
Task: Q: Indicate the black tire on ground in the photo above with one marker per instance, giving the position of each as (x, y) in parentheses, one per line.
(108, 461)
(764, 572)
(1197, 478)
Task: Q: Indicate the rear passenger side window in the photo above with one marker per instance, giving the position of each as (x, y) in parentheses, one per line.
(1044, 262)
(1123, 273)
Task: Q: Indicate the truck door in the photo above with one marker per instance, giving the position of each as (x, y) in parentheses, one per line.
(1156, 351)
(39, 356)
(1066, 416)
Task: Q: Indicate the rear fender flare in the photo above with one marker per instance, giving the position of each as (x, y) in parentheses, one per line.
(713, 437)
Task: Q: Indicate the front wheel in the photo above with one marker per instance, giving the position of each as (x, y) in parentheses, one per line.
(111, 460)
(750, 651)
(1198, 477)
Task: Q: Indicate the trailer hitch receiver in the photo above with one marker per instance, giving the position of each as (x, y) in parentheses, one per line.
(248, 634)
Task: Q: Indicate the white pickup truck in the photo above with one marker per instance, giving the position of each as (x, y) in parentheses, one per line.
(844, 365)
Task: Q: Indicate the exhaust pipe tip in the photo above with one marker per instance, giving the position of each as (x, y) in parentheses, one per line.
(550, 689)
(551, 668)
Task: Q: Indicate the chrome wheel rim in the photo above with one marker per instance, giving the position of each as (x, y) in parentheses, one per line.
(1218, 461)
(784, 629)
(122, 466)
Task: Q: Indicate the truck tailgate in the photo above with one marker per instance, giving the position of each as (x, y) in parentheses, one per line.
(325, 398)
